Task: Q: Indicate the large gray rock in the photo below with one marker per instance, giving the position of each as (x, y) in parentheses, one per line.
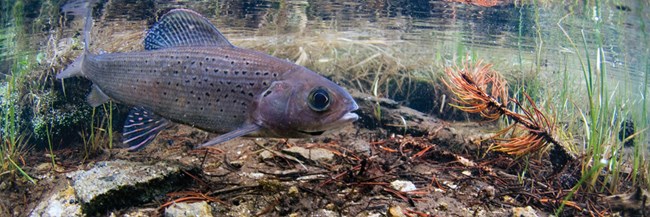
(62, 202)
(117, 184)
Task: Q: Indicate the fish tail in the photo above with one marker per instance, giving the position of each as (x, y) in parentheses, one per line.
(88, 25)
(75, 68)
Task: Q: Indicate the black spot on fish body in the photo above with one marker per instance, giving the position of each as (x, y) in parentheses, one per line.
(216, 70)
(207, 94)
(243, 72)
(251, 84)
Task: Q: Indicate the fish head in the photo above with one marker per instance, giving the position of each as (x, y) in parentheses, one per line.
(304, 105)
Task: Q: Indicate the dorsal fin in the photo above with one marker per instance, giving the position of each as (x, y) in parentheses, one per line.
(183, 27)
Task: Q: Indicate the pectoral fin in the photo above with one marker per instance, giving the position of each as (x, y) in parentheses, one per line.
(242, 131)
(96, 97)
(141, 127)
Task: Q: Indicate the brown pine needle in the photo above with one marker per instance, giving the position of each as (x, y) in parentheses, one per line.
(479, 89)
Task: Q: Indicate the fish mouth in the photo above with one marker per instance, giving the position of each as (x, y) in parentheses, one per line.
(348, 117)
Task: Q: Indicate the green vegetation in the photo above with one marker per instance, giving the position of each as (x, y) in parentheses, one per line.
(99, 137)
(12, 141)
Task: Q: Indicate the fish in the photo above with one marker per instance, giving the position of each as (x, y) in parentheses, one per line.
(189, 73)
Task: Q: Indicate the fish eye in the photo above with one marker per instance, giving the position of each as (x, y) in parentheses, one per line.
(319, 99)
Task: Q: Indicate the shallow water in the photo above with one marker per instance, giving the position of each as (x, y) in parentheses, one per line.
(507, 34)
(532, 41)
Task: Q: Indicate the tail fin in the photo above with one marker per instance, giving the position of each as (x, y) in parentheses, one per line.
(75, 68)
(88, 25)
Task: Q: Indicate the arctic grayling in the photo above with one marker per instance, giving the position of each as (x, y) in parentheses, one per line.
(189, 73)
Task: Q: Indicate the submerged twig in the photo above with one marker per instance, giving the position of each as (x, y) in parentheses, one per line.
(479, 89)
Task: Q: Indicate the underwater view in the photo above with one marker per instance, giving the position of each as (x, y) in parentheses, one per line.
(324, 108)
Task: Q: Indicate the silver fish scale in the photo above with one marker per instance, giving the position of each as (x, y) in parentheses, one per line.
(210, 88)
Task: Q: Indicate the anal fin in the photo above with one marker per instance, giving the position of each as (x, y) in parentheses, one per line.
(96, 96)
(141, 127)
(242, 131)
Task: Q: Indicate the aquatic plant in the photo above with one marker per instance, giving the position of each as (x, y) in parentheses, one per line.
(479, 89)
(99, 135)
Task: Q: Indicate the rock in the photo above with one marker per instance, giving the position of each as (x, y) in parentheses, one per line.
(60, 203)
(314, 154)
(395, 211)
(266, 155)
(361, 146)
(189, 209)
(44, 167)
(118, 184)
(403, 186)
(139, 212)
(369, 214)
(524, 212)
(324, 213)
(293, 192)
